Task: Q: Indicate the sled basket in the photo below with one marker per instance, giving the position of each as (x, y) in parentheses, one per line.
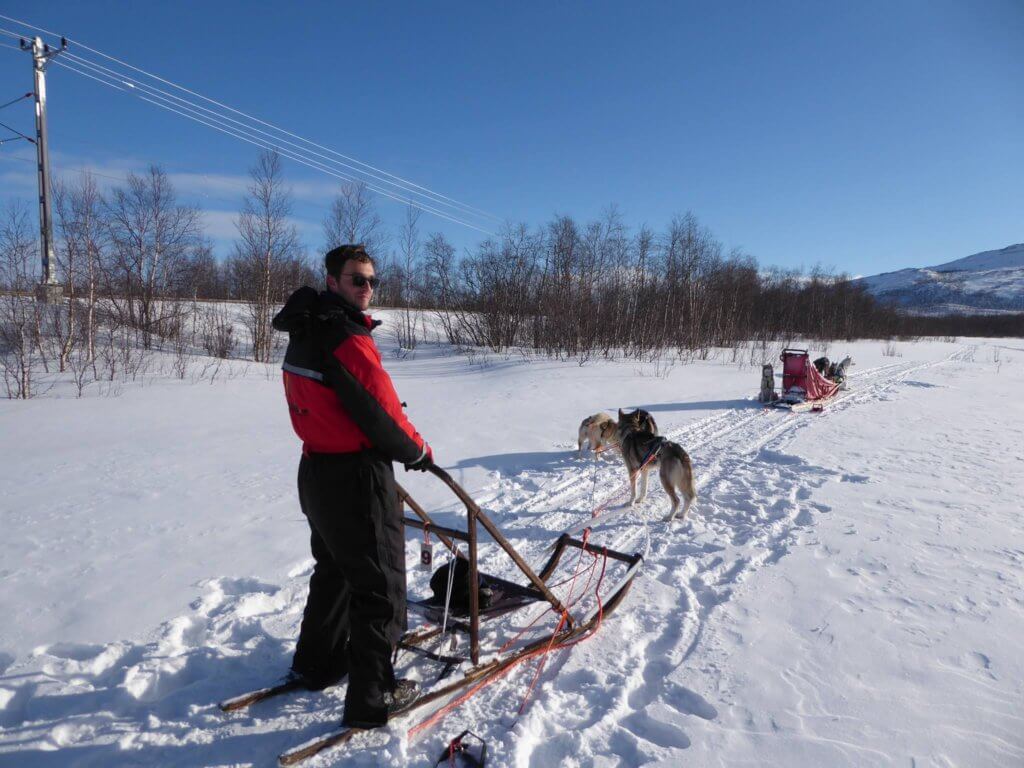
(801, 381)
(505, 595)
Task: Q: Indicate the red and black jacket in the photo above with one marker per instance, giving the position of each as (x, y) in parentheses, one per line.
(340, 397)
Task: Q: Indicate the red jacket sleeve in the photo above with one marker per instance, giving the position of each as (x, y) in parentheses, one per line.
(369, 397)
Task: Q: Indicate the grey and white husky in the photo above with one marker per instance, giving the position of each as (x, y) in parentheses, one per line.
(838, 373)
(642, 449)
(597, 431)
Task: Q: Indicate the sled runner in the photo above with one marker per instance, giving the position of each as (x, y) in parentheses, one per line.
(803, 388)
(463, 598)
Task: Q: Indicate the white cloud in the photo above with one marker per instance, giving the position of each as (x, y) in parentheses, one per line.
(218, 195)
(220, 226)
(235, 186)
(17, 183)
(206, 184)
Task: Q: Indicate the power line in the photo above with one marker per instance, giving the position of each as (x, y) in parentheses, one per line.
(263, 144)
(15, 101)
(432, 197)
(282, 130)
(398, 180)
(92, 77)
(243, 132)
(133, 84)
(14, 130)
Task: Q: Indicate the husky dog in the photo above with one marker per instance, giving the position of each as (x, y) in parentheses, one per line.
(768, 393)
(597, 431)
(638, 419)
(838, 371)
(642, 449)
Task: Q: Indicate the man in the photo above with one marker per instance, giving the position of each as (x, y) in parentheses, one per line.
(344, 408)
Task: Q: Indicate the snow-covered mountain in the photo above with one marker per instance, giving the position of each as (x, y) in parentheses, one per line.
(990, 281)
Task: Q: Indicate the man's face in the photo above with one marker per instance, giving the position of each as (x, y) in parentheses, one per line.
(356, 295)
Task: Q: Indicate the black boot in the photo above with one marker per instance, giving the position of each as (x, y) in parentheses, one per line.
(394, 702)
(316, 680)
(405, 693)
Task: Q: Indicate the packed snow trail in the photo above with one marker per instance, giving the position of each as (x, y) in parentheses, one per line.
(622, 697)
(752, 498)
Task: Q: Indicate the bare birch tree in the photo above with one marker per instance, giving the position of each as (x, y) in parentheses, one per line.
(406, 273)
(84, 246)
(151, 236)
(268, 250)
(20, 314)
(353, 218)
(439, 266)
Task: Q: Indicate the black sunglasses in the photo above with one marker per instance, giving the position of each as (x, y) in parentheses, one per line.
(359, 280)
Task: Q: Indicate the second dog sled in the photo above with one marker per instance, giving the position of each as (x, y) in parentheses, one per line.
(447, 612)
(803, 387)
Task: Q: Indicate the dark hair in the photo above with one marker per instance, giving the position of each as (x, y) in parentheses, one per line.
(334, 260)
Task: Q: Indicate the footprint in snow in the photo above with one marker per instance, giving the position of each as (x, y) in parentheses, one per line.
(976, 661)
(96, 662)
(690, 702)
(648, 728)
(72, 651)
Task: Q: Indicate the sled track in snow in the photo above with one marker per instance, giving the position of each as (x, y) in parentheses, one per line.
(534, 506)
(565, 497)
(754, 503)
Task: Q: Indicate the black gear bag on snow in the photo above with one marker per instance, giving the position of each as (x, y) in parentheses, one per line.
(460, 586)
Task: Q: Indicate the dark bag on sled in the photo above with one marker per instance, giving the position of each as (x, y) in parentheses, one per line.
(460, 586)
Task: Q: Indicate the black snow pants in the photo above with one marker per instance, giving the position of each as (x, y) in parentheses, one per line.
(355, 613)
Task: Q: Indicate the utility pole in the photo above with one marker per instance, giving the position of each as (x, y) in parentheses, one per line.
(49, 290)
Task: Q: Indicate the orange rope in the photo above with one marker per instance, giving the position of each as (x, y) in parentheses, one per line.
(600, 604)
(543, 653)
(568, 604)
(455, 703)
(565, 615)
(605, 447)
(541, 615)
(604, 504)
(458, 701)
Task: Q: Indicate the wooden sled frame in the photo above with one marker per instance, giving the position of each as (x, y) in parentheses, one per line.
(537, 581)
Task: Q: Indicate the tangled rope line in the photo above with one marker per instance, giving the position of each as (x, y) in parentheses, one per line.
(597, 556)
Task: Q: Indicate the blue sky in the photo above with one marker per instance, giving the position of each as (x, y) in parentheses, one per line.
(864, 136)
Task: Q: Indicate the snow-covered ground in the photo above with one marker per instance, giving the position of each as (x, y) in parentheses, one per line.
(848, 588)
